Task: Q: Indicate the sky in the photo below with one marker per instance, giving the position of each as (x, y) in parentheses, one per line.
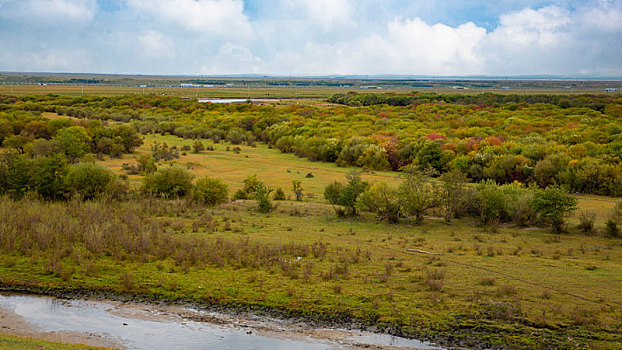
(313, 37)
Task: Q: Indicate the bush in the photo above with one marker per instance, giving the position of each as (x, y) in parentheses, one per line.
(346, 196)
(553, 204)
(489, 201)
(279, 195)
(262, 195)
(587, 218)
(611, 229)
(381, 199)
(210, 191)
(88, 179)
(173, 181)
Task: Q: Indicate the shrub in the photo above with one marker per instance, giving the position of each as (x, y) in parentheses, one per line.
(173, 181)
(382, 200)
(210, 191)
(297, 189)
(279, 194)
(489, 201)
(262, 195)
(586, 221)
(417, 193)
(88, 179)
(611, 229)
(74, 140)
(553, 204)
(346, 196)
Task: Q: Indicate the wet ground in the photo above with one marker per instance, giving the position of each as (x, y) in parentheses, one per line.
(146, 326)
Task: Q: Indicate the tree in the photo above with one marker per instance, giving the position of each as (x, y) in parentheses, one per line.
(279, 194)
(18, 141)
(210, 191)
(346, 196)
(381, 199)
(453, 190)
(49, 176)
(553, 204)
(198, 146)
(88, 179)
(297, 189)
(489, 201)
(262, 195)
(417, 193)
(16, 171)
(74, 140)
(146, 163)
(127, 137)
(173, 181)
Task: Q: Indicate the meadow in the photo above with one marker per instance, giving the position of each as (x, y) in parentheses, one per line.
(460, 283)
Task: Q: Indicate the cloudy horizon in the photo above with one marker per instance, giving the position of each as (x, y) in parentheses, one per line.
(313, 37)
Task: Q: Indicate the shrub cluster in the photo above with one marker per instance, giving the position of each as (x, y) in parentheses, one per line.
(419, 195)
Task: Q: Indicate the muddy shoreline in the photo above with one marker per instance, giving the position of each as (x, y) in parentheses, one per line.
(296, 321)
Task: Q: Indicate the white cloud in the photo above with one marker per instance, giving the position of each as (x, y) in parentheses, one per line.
(220, 17)
(409, 47)
(156, 43)
(318, 37)
(543, 27)
(329, 13)
(48, 12)
(231, 59)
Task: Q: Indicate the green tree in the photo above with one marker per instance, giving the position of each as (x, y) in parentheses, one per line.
(489, 201)
(146, 163)
(346, 195)
(127, 136)
(381, 199)
(172, 181)
(279, 194)
(453, 189)
(16, 171)
(49, 176)
(417, 193)
(262, 196)
(553, 204)
(88, 179)
(18, 142)
(74, 140)
(297, 189)
(210, 191)
(198, 146)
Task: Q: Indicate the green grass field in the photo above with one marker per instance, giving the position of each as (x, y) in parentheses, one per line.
(262, 92)
(521, 287)
(11, 342)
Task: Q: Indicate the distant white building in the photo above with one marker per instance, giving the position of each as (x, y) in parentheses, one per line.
(610, 90)
(369, 87)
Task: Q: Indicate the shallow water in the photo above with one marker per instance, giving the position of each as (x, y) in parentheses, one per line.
(232, 100)
(138, 326)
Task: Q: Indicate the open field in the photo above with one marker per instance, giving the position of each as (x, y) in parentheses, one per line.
(504, 286)
(460, 283)
(271, 166)
(279, 169)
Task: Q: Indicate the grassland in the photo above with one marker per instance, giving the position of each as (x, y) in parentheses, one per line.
(459, 283)
(11, 342)
(489, 286)
(260, 92)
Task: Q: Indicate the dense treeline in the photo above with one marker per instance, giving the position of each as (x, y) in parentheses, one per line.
(572, 141)
(596, 102)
